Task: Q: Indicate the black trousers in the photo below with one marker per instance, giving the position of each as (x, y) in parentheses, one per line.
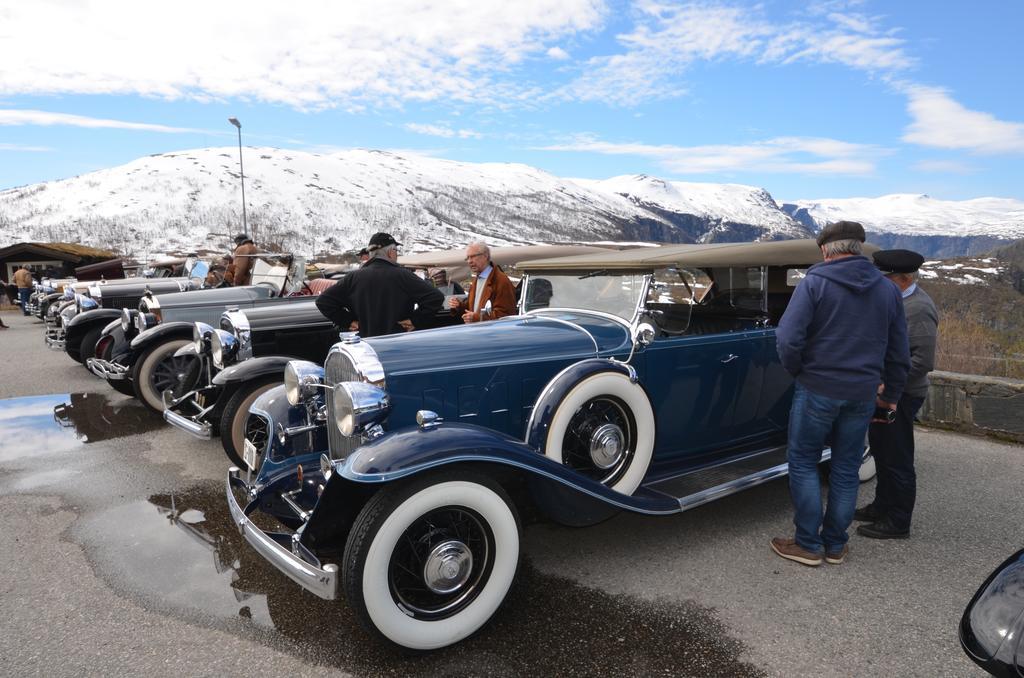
(893, 448)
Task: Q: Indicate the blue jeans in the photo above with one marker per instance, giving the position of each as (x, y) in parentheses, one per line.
(813, 419)
(23, 294)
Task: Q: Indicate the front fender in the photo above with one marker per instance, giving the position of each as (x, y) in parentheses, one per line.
(252, 368)
(83, 322)
(160, 334)
(122, 345)
(414, 450)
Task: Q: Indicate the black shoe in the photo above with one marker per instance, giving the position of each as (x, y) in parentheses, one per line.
(868, 514)
(883, 529)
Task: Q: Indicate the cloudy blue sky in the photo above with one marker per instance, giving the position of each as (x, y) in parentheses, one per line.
(835, 98)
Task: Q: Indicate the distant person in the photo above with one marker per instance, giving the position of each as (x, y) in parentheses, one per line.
(491, 294)
(439, 276)
(843, 334)
(228, 262)
(243, 257)
(381, 297)
(892, 444)
(23, 279)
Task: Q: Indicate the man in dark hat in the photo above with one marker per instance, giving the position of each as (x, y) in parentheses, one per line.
(892, 444)
(843, 334)
(381, 296)
(243, 258)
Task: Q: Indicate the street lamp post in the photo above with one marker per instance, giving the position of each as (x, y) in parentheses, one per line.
(241, 173)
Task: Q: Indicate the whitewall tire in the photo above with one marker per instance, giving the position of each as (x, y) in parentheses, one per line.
(159, 370)
(429, 562)
(604, 428)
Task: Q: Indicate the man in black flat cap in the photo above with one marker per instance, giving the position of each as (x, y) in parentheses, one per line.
(381, 296)
(843, 333)
(892, 444)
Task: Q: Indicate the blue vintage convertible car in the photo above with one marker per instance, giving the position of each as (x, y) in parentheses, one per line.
(640, 380)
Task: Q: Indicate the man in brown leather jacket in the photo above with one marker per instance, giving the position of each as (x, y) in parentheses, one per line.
(23, 279)
(491, 295)
(243, 258)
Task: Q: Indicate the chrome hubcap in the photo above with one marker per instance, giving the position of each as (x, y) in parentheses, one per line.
(607, 445)
(447, 567)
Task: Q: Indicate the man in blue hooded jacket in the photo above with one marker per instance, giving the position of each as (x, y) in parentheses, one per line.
(842, 336)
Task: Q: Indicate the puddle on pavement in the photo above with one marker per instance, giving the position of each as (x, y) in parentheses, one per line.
(182, 552)
(41, 425)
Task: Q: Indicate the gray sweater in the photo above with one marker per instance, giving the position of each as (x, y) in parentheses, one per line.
(922, 327)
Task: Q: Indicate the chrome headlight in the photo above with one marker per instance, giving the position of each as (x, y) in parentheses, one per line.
(142, 321)
(223, 347)
(201, 337)
(126, 319)
(358, 406)
(301, 379)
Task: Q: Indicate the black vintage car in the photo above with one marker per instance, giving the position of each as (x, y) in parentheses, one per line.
(239, 361)
(993, 623)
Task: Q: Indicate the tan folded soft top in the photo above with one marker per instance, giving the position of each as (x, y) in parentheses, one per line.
(796, 253)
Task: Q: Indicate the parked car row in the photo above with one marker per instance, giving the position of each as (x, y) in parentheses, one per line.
(642, 380)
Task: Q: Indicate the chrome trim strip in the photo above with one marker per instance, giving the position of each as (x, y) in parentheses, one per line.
(740, 484)
(600, 314)
(321, 581)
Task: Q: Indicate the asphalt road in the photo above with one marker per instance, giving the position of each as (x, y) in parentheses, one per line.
(117, 558)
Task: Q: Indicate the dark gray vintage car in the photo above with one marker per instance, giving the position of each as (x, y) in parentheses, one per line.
(642, 380)
(101, 303)
(139, 350)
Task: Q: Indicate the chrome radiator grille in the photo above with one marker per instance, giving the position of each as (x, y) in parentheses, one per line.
(120, 302)
(339, 368)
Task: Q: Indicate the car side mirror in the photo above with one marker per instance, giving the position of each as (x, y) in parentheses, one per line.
(644, 334)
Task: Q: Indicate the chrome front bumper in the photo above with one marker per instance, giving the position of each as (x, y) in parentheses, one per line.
(55, 341)
(106, 369)
(199, 429)
(283, 551)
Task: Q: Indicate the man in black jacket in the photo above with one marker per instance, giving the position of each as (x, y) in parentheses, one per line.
(381, 296)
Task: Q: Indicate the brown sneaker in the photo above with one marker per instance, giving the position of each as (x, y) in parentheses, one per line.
(790, 550)
(837, 557)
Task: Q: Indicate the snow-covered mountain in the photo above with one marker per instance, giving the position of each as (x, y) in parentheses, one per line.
(937, 228)
(315, 203)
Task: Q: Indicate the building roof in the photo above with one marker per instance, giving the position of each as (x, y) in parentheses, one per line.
(64, 251)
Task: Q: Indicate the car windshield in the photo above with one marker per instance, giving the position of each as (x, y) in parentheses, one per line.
(614, 292)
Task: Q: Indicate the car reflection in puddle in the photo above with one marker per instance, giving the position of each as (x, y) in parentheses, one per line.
(182, 551)
(93, 417)
(46, 425)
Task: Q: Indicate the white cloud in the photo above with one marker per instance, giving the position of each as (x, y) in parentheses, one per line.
(557, 53)
(798, 155)
(939, 121)
(24, 149)
(13, 117)
(320, 53)
(442, 131)
(669, 38)
(944, 167)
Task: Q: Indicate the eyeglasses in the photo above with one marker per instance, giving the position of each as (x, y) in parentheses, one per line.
(470, 257)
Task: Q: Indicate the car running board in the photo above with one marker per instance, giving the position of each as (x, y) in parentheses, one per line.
(714, 482)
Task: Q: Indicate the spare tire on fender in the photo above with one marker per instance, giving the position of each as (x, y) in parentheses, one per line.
(596, 419)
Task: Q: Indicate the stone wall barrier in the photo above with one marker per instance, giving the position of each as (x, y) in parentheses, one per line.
(990, 406)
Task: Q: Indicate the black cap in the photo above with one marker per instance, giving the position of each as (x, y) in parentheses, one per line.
(381, 240)
(363, 252)
(897, 261)
(841, 230)
(242, 237)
